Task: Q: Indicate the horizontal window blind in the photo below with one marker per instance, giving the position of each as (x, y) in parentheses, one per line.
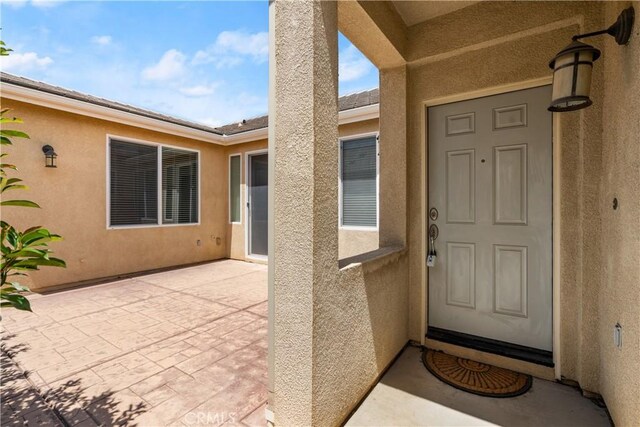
(234, 189)
(359, 189)
(179, 186)
(134, 184)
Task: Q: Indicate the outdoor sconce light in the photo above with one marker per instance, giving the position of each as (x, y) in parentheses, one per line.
(49, 156)
(572, 66)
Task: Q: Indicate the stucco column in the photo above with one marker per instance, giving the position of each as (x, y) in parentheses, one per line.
(393, 157)
(303, 144)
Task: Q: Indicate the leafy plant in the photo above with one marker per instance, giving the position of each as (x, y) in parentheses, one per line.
(21, 251)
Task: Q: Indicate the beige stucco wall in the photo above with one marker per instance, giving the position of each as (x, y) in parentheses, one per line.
(335, 324)
(619, 298)
(485, 46)
(351, 241)
(73, 198)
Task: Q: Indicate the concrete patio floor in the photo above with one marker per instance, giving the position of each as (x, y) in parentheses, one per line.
(409, 395)
(181, 347)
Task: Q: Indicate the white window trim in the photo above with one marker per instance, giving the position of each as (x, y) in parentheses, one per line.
(349, 138)
(229, 187)
(247, 226)
(159, 146)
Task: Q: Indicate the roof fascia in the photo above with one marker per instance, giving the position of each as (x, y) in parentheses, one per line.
(45, 99)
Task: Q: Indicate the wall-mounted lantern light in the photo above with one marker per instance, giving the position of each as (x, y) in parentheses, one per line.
(49, 156)
(572, 66)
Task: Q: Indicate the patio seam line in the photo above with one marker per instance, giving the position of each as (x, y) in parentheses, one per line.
(110, 358)
(206, 298)
(101, 310)
(60, 322)
(138, 278)
(141, 278)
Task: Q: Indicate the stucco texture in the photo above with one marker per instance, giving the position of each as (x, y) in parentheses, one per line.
(73, 198)
(619, 297)
(334, 329)
(492, 45)
(351, 242)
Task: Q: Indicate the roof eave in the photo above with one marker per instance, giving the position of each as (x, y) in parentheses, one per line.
(62, 103)
(352, 115)
(58, 102)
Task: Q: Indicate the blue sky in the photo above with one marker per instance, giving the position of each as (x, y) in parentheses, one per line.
(201, 60)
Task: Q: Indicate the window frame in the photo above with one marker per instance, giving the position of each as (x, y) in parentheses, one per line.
(159, 147)
(347, 138)
(229, 187)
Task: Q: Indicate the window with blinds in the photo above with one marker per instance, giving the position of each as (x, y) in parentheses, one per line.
(179, 186)
(134, 184)
(359, 182)
(234, 188)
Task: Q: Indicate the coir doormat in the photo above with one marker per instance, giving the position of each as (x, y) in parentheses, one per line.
(475, 377)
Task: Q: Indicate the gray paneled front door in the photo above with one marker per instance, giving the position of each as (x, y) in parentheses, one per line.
(490, 180)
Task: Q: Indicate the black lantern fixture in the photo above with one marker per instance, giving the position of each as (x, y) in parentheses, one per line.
(49, 156)
(572, 65)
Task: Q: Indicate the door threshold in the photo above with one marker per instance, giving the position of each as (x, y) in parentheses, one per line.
(487, 345)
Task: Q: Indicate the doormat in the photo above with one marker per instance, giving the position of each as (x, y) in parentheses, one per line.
(475, 377)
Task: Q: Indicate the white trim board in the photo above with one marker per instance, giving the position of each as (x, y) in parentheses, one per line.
(247, 223)
(349, 138)
(229, 187)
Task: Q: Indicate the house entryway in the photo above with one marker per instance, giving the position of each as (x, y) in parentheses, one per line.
(490, 220)
(257, 204)
(408, 395)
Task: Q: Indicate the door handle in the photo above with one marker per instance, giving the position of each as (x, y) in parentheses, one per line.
(434, 231)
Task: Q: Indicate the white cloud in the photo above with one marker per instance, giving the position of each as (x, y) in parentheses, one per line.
(46, 3)
(24, 62)
(231, 47)
(198, 90)
(42, 4)
(170, 66)
(16, 4)
(352, 64)
(101, 40)
(255, 45)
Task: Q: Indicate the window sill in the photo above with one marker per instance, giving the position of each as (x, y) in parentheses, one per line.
(374, 260)
(358, 228)
(131, 227)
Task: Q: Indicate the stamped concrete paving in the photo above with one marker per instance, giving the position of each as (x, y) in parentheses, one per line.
(182, 347)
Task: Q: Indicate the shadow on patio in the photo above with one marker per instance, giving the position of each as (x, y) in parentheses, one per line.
(182, 347)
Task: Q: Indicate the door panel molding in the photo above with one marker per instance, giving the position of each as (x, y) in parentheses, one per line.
(461, 124)
(510, 180)
(461, 274)
(513, 116)
(510, 288)
(460, 187)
